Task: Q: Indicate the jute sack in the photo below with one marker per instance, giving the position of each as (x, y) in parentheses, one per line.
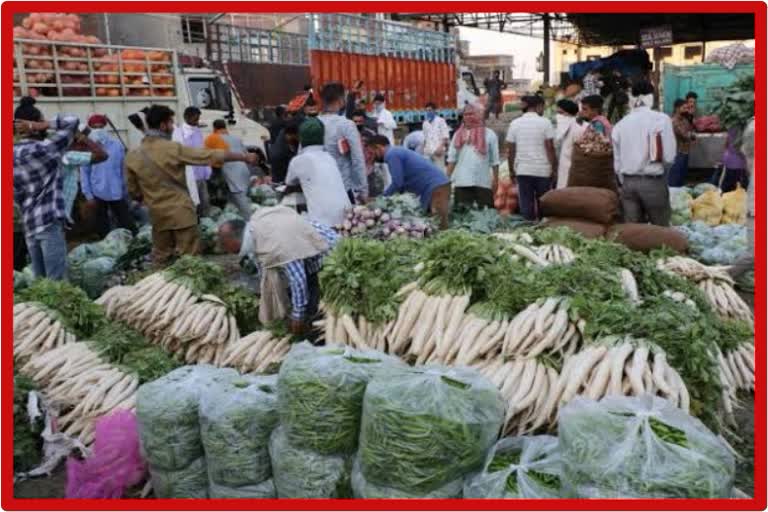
(647, 237)
(588, 203)
(585, 228)
(592, 170)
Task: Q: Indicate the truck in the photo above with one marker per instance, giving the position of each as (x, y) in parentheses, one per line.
(81, 79)
(410, 66)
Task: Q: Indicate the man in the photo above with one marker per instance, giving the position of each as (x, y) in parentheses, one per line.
(156, 174)
(415, 141)
(343, 142)
(319, 177)
(103, 183)
(493, 87)
(684, 135)
(366, 125)
(277, 125)
(567, 130)
(643, 143)
(746, 261)
(236, 174)
(37, 186)
(374, 172)
(437, 136)
(591, 84)
(190, 135)
(531, 156)
(691, 99)
(83, 151)
(283, 150)
(384, 119)
(473, 160)
(289, 252)
(413, 173)
(592, 112)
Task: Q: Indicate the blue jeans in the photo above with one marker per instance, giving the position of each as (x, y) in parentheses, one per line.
(48, 252)
(529, 191)
(679, 170)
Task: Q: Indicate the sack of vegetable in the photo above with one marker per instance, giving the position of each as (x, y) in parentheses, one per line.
(167, 410)
(629, 447)
(264, 490)
(188, 482)
(680, 200)
(647, 237)
(708, 207)
(321, 392)
(735, 206)
(363, 489)
(237, 417)
(94, 275)
(589, 203)
(519, 467)
(425, 427)
(299, 473)
(592, 169)
(585, 228)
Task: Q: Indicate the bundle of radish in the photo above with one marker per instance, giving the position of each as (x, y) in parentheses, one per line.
(358, 333)
(692, 269)
(528, 388)
(466, 338)
(202, 330)
(629, 284)
(515, 237)
(257, 352)
(555, 253)
(621, 366)
(725, 300)
(37, 328)
(546, 325)
(82, 384)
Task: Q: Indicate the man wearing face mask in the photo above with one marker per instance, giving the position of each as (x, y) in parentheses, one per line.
(103, 184)
(437, 136)
(643, 144)
(384, 118)
(156, 174)
(567, 130)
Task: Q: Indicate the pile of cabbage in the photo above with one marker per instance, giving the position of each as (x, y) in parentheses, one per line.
(718, 245)
(91, 265)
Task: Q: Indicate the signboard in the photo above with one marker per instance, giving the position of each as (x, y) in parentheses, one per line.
(656, 36)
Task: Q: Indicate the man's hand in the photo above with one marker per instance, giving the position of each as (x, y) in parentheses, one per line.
(296, 327)
(31, 126)
(494, 185)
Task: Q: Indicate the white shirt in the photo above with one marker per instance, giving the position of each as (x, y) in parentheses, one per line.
(387, 124)
(634, 141)
(317, 173)
(436, 133)
(473, 169)
(529, 132)
(415, 141)
(565, 136)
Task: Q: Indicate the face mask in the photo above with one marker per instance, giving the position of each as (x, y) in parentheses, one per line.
(430, 116)
(379, 107)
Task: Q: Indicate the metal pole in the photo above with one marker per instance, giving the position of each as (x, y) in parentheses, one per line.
(106, 29)
(545, 64)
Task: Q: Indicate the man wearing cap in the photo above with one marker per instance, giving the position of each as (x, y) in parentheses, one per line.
(384, 118)
(315, 170)
(103, 184)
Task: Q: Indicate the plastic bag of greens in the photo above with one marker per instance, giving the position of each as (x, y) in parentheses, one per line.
(519, 467)
(167, 410)
(214, 212)
(425, 427)
(83, 252)
(236, 420)
(94, 275)
(264, 490)
(680, 200)
(188, 482)
(301, 473)
(361, 488)
(119, 234)
(321, 394)
(145, 233)
(628, 447)
(20, 281)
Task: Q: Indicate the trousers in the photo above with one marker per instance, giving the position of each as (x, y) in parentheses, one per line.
(170, 243)
(529, 191)
(646, 199)
(48, 252)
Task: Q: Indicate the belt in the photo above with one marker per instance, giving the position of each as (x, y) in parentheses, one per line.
(647, 176)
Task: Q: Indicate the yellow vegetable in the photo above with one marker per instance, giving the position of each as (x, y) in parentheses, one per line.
(735, 206)
(708, 207)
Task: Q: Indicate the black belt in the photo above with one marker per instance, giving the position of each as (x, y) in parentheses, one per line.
(647, 176)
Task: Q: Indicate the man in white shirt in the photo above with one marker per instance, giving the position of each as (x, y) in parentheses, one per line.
(643, 144)
(384, 118)
(437, 136)
(315, 170)
(415, 141)
(189, 134)
(532, 159)
(567, 130)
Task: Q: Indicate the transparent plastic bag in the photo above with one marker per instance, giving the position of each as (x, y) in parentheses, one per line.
(94, 275)
(188, 482)
(680, 201)
(363, 489)
(264, 490)
(236, 420)
(115, 463)
(425, 427)
(708, 207)
(301, 473)
(640, 447)
(167, 410)
(519, 467)
(321, 395)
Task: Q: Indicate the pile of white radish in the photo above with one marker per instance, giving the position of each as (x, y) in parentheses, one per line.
(36, 329)
(357, 333)
(544, 326)
(556, 254)
(256, 352)
(737, 373)
(197, 328)
(77, 380)
(714, 282)
(629, 284)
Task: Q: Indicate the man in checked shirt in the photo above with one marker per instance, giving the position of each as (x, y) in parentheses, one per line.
(38, 186)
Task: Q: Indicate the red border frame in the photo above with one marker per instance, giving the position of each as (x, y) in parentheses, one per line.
(11, 503)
